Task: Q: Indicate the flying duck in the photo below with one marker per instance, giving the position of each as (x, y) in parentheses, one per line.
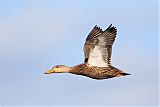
(97, 56)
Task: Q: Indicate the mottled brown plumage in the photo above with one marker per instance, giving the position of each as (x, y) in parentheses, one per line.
(97, 52)
(96, 72)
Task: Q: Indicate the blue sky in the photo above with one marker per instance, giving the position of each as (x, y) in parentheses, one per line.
(38, 34)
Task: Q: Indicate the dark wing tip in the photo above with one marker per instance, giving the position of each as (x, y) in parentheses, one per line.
(98, 28)
(111, 29)
(110, 26)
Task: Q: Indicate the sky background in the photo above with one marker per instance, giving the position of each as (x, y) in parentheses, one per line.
(38, 34)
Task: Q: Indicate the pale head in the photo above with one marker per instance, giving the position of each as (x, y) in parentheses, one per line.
(58, 69)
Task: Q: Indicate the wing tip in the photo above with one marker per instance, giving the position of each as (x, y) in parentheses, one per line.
(97, 27)
(111, 28)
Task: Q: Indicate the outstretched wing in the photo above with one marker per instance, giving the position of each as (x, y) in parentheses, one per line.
(91, 41)
(100, 51)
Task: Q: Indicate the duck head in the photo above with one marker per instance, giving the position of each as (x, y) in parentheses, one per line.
(58, 69)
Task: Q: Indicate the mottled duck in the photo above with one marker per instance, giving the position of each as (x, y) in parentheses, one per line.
(97, 52)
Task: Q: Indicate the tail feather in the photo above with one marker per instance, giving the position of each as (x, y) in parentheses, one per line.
(122, 74)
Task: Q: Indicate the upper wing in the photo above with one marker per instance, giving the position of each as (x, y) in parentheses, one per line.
(91, 40)
(100, 52)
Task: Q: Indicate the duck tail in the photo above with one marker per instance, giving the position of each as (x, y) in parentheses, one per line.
(122, 74)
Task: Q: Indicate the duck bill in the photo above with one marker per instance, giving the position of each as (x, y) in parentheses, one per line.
(49, 72)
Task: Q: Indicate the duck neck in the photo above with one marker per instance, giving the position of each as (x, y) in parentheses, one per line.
(67, 69)
(64, 69)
